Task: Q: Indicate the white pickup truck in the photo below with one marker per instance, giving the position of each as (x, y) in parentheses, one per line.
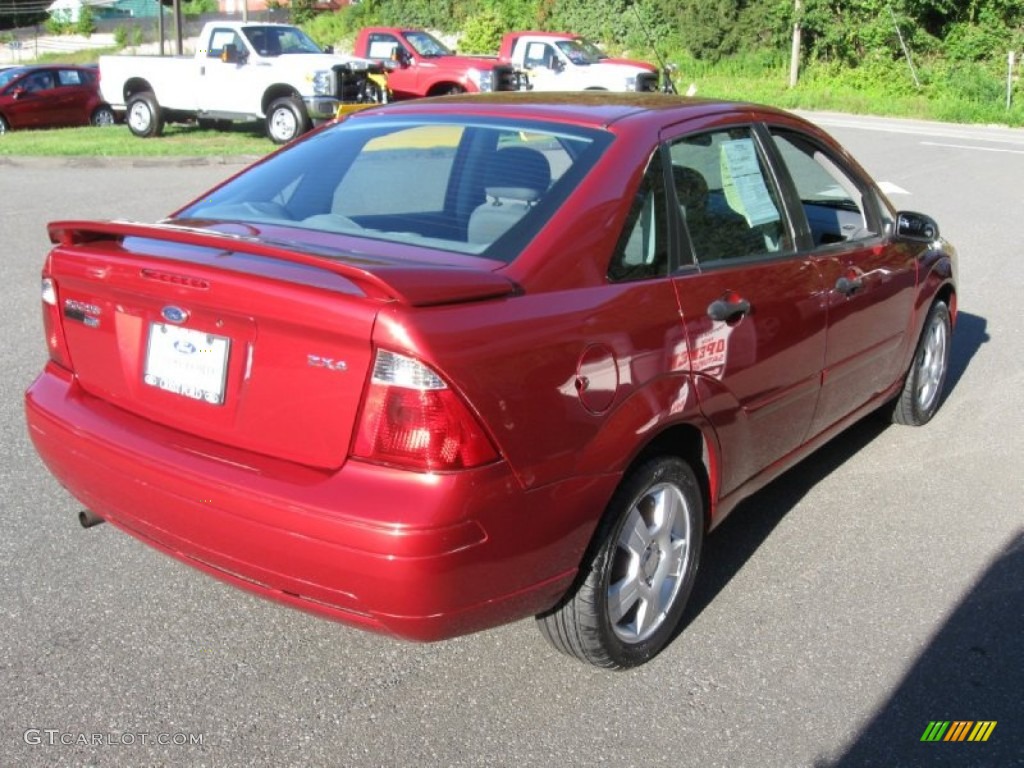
(559, 61)
(240, 71)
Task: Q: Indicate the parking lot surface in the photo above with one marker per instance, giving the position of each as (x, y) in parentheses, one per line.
(876, 588)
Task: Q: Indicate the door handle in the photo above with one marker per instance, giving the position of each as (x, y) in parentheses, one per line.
(849, 285)
(729, 309)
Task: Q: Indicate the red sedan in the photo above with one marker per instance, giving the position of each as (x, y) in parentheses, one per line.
(451, 363)
(51, 97)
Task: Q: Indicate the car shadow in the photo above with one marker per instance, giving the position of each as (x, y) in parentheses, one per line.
(970, 334)
(749, 525)
(969, 674)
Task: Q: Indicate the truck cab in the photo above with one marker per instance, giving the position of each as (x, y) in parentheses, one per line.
(559, 61)
(421, 65)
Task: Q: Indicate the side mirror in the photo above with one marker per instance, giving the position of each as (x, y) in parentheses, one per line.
(916, 226)
(557, 65)
(401, 57)
(328, 49)
(230, 54)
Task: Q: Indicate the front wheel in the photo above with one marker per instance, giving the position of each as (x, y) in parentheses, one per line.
(631, 594)
(286, 120)
(4, 127)
(144, 116)
(922, 389)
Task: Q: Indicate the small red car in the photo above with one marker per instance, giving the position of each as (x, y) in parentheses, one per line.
(51, 97)
(450, 363)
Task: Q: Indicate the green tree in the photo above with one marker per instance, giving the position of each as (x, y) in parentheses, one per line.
(86, 24)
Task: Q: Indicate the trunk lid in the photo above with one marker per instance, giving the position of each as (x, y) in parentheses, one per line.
(235, 340)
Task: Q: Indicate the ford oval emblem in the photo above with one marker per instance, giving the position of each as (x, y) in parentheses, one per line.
(184, 347)
(175, 315)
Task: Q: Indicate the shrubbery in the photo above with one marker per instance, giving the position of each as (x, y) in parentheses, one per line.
(850, 47)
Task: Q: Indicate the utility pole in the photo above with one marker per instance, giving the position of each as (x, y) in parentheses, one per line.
(794, 57)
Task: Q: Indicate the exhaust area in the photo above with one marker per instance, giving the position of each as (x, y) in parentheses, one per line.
(88, 519)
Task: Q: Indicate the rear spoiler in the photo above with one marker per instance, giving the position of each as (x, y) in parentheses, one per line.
(413, 285)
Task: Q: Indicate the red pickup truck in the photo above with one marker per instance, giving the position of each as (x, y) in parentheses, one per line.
(421, 65)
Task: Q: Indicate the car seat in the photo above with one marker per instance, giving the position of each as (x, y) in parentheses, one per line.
(515, 179)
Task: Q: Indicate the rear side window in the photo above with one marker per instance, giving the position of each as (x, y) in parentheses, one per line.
(726, 197)
(70, 77)
(642, 250)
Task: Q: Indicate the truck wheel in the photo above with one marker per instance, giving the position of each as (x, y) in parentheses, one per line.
(144, 116)
(286, 120)
(449, 90)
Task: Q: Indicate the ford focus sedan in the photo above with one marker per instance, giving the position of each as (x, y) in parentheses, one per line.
(451, 363)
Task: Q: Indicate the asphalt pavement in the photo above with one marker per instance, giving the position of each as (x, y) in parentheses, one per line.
(876, 588)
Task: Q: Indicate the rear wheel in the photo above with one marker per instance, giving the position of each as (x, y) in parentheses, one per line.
(102, 115)
(4, 127)
(144, 116)
(632, 592)
(922, 389)
(286, 120)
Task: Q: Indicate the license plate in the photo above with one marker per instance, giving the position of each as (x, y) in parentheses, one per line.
(187, 362)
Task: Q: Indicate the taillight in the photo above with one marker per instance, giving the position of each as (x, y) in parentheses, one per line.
(412, 418)
(55, 343)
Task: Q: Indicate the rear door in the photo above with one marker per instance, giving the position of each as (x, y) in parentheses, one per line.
(869, 281)
(753, 307)
(74, 94)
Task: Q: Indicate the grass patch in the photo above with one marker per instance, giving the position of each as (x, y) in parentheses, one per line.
(84, 56)
(118, 141)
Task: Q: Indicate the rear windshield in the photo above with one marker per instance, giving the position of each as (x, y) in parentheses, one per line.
(480, 187)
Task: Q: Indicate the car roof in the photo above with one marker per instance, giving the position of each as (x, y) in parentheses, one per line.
(597, 109)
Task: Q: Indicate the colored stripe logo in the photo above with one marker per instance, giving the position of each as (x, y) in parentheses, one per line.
(958, 730)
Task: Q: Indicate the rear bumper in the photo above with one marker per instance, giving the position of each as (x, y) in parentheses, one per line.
(418, 556)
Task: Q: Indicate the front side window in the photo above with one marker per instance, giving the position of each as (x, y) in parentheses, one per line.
(476, 187)
(219, 39)
(426, 44)
(726, 197)
(834, 203)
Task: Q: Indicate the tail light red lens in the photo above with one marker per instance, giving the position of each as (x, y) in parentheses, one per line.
(412, 419)
(55, 342)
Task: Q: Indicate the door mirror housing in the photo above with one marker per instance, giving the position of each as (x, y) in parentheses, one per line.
(231, 54)
(916, 226)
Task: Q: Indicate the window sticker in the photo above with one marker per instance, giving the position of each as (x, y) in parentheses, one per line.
(744, 185)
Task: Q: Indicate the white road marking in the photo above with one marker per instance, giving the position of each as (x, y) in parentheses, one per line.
(968, 146)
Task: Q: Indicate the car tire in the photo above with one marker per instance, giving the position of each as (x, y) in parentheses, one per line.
(632, 590)
(286, 120)
(922, 388)
(4, 127)
(144, 116)
(102, 116)
(449, 90)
